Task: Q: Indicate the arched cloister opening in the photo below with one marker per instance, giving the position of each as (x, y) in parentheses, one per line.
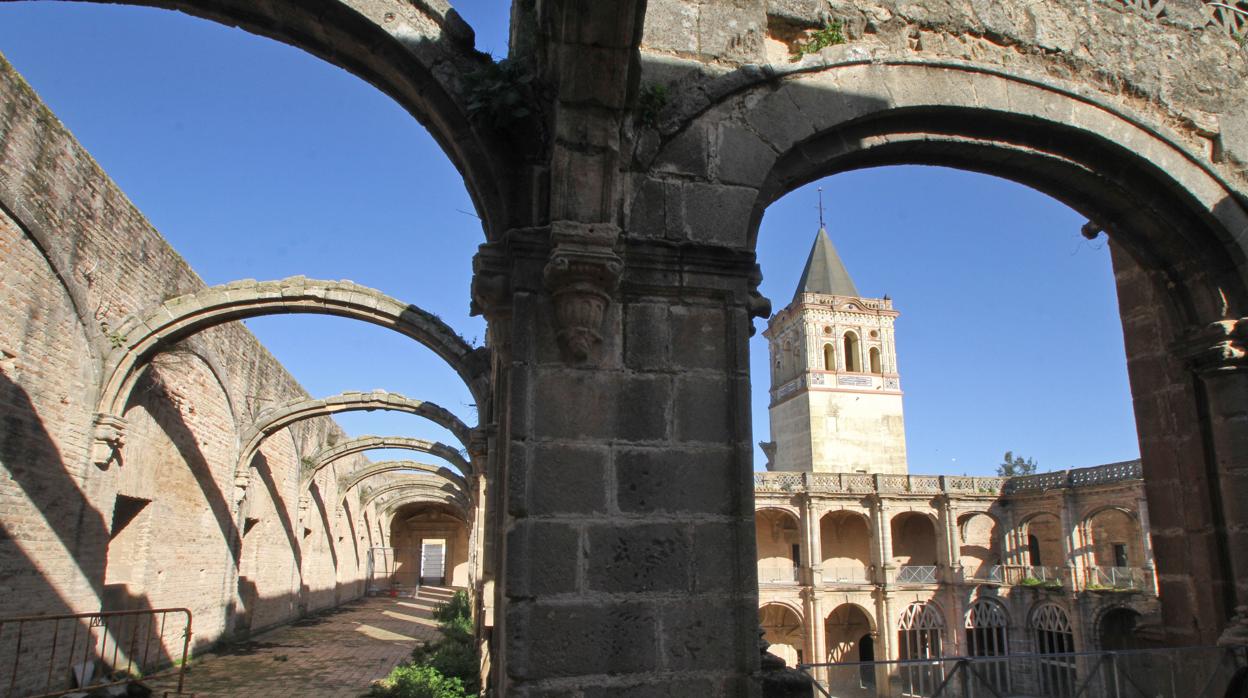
(426, 471)
(914, 547)
(920, 635)
(777, 535)
(845, 537)
(848, 629)
(987, 635)
(430, 545)
(783, 629)
(850, 637)
(1113, 548)
(1051, 631)
(1043, 533)
(1117, 629)
(979, 545)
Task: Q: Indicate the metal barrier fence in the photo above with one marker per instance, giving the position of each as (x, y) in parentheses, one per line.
(1189, 672)
(52, 655)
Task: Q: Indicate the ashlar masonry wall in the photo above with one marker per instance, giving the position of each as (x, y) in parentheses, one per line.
(164, 525)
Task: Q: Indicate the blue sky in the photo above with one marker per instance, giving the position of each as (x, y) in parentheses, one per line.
(257, 160)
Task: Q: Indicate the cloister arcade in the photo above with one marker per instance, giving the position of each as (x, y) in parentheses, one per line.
(903, 565)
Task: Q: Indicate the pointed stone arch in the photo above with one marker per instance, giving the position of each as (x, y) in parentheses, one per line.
(281, 416)
(343, 449)
(355, 477)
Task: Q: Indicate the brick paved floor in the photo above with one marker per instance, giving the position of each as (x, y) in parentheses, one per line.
(336, 654)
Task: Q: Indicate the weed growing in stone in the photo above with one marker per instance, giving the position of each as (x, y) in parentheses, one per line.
(832, 34)
(650, 102)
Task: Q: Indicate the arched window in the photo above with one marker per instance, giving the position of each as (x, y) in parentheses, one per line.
(829, 357)
(920, 635)
(853, 360)
(1033, 550)
(986, 624)
(875, 360)
(1051, 627)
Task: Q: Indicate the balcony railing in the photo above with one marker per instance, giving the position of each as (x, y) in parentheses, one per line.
(1029, 575)
(1116, 578)
(846, 575)
(917, 574)
(778, 575)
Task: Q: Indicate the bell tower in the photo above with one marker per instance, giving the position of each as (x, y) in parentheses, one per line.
(835, 390)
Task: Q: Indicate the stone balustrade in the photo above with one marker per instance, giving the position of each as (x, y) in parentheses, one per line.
(861, 483)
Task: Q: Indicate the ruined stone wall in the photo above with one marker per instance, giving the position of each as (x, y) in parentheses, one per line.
(75, 258)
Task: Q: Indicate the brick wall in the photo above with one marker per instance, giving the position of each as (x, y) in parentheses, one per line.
(75, 258)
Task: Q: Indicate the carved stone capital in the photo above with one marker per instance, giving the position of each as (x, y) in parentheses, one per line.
(479, 441)
(108, 435)
(491, 282)
(1219, 346)
(582, 274)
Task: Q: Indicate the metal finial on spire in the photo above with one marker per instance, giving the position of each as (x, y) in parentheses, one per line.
(820, 207)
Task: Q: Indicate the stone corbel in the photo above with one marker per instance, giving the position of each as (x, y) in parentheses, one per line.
(242, 480)
(582, 275)
(1219, 346)
(108, 435)
(491, 283)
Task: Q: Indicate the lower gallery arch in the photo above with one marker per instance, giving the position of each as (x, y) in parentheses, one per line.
(1057, 673)
(987, 635)
(850, 636)
(921, 635)
(783, 628)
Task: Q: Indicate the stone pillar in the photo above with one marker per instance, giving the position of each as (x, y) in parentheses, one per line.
(629, 553)
(1072, 543)
(813, 542)
(1146, 544)
(882, 542)
(885, 638)
(948, 552)
(1225, 391)
(1174, 411)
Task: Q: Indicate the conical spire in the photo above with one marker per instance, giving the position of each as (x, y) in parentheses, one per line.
(824, 272)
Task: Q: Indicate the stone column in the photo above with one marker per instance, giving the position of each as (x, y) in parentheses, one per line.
(628, 554)
(1146, 544)
(1225, 392)
(882, 539)
(885, 641)
(947, 551)
(814, 544)
(1071, 540)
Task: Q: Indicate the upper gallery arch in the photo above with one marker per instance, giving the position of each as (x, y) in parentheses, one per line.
(415, 52)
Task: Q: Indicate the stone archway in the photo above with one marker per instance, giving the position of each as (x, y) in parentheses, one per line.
(1172, 214)
(342, 449)
(141, 335)
(356, 477)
